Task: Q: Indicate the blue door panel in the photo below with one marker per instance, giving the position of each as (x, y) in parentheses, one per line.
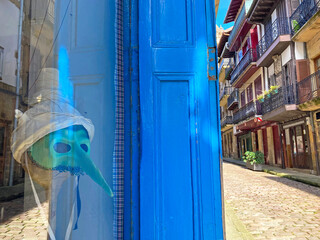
(173, 161)
(174, 27)
(179, 184)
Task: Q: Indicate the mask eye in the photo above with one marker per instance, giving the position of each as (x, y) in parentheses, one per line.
(84, 147)
(60, 147)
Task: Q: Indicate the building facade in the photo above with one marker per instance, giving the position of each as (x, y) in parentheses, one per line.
(271, 60)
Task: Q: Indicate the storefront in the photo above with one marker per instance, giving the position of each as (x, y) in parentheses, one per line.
(296, 145)
(227, 143)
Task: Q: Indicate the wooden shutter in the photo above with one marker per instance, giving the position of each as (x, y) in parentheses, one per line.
(243, 98)
(249, 93)
(258, 86)
(303, 69)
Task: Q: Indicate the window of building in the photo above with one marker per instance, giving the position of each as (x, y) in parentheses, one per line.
(258, 87)
(272, 80)
(249, 93)
(243, 98)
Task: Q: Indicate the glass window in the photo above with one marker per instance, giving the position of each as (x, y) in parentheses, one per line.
(63, 122)
(243, 98)
(249, 93)
(300, 142)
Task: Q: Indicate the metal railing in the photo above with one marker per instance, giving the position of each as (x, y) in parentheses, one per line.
(285, 95)
(249, 57)
(226, 120)
(224, 63)
(309, 87)
(302, 14)
(233, 98)
(238, 23)
(245, 112)
(229, 70)
(225, 91)
(278, 27)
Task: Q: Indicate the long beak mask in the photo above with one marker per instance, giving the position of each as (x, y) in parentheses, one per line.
(67, 150)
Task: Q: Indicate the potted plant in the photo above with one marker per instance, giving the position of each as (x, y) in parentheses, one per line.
(267, 93)
(253, 160)
(260, 98)
(295, 25)
(274, 89)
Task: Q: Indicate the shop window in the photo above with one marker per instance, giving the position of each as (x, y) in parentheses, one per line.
(300, 142)
(305, 137)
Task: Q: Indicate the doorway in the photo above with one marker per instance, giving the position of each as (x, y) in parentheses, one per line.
(297, 147)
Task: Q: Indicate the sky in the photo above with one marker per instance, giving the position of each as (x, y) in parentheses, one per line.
(223, 8)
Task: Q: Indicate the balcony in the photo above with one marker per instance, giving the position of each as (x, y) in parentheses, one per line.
(309, 92)
(281, 105)
(229, 70)
(262, 10)
(240, 29)
(247, 111)
(226, 123)
(224, 94)
(225, 69)
(274, 41)
(305, 21)
(245, 68)
(233, 100)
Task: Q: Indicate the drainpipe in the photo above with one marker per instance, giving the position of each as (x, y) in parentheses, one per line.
(17, 85)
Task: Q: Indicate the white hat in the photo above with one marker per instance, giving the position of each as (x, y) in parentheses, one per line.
(50, 113)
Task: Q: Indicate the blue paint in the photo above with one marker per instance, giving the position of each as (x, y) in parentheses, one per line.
(135, 116)
(180, 190)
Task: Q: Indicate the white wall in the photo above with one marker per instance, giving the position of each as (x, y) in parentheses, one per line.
(299, 50)
(286, 55)
(9, 19)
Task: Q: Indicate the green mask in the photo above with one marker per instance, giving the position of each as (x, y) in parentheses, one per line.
(68, 150)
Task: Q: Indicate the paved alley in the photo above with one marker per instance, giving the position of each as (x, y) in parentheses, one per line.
(19, 221)
(271, 207)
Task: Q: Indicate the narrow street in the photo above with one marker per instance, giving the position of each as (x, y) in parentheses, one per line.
(20, 221)
(270, 207)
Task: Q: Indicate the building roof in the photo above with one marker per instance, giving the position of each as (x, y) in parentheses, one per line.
(232, 10)
(224, 38)
(260, 9)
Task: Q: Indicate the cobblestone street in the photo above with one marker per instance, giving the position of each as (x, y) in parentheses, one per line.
(18, 224)
(271, 207)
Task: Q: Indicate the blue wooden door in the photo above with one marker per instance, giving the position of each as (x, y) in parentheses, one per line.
(178, 197)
